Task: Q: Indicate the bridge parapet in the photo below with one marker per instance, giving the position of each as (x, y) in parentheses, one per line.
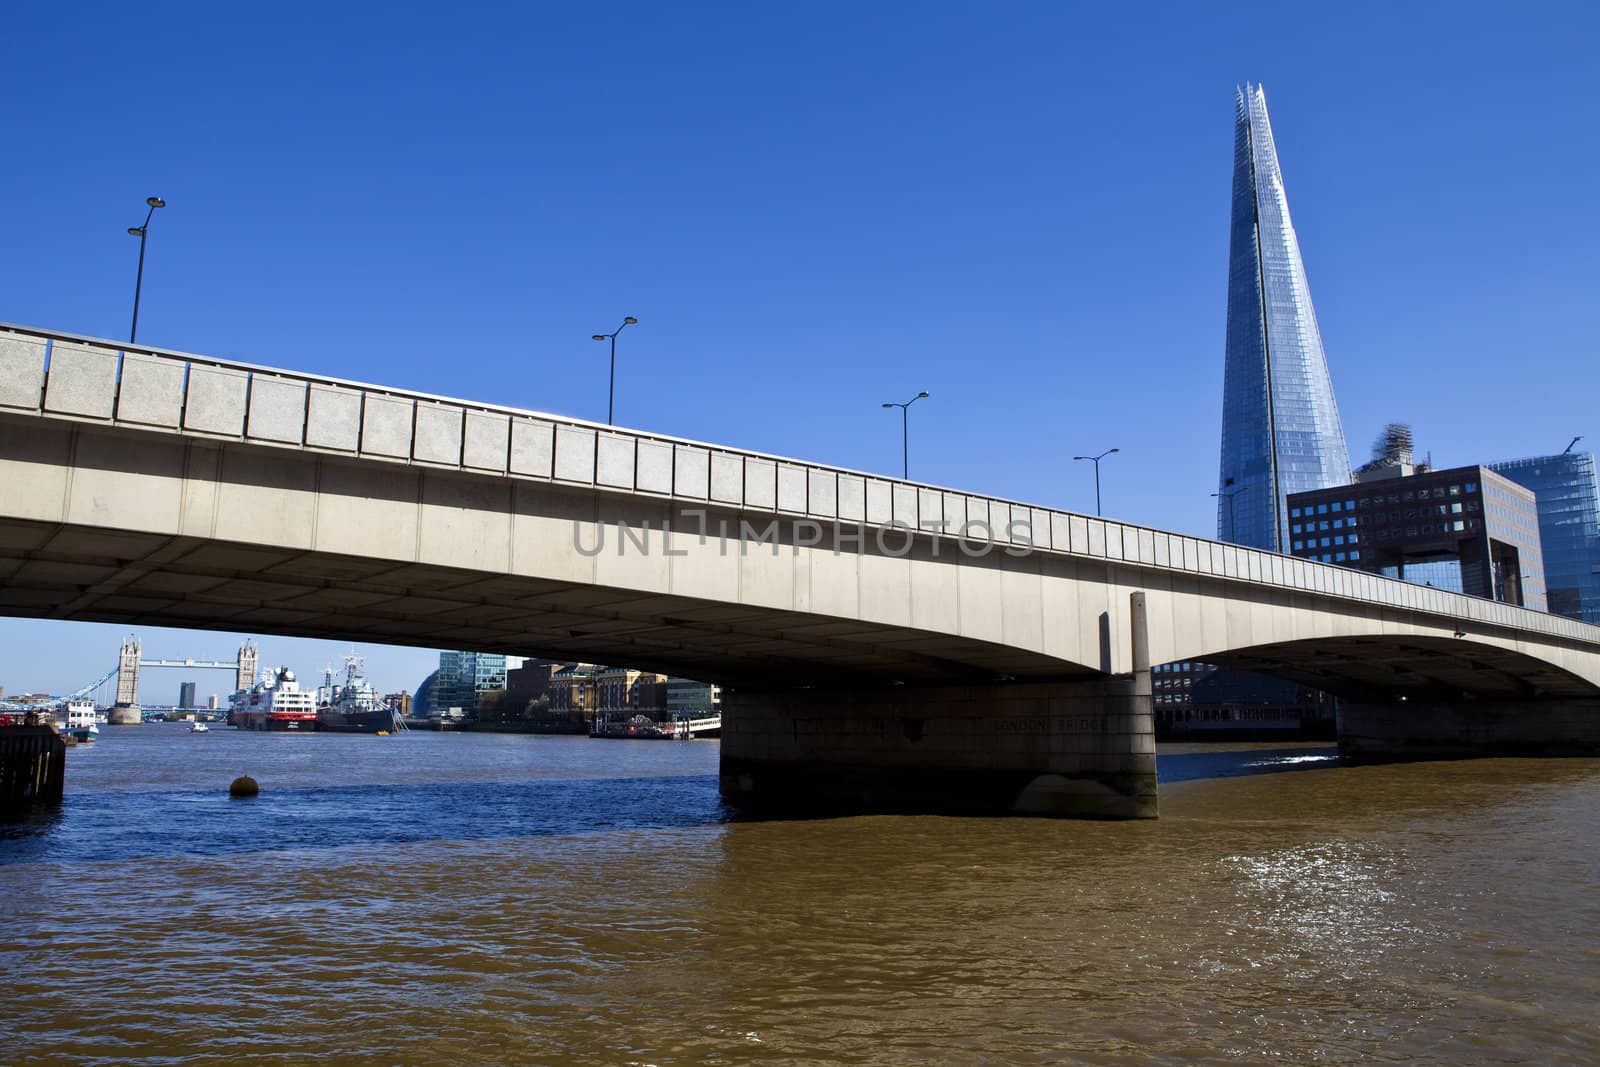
(57, 375)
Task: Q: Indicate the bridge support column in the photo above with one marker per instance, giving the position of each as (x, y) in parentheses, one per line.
(1432, 729)
(1071, 748)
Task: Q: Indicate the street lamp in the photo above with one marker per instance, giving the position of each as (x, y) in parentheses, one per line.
(611, 401)
(905, 433)
(141, 232)
(1096, 460)
(1228, 496)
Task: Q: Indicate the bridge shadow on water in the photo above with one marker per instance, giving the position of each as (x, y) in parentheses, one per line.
(112, 826)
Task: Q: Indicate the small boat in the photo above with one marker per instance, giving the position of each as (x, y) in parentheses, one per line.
(199, 728)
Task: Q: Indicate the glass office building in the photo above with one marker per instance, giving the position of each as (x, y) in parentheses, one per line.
(1569, 528)
(1280, 425)
(463, 678)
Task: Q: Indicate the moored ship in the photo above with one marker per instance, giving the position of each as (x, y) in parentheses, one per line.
(353, 707)
(276, 702)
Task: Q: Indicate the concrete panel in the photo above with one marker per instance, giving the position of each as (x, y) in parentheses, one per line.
(117, 487)
(635, 551)
(488, 436)
(691, 472)
(35, 468)
(277, 409)
(703, 564)
(21, 371)
(885, 584)
(438, 436)
(905, 504)
(1001, 516)
(935, 596)
(822, 498)
(554, 535)
(267, 497)
(880, 502)
(533, 448)
(1078, 532)
(83, 380)
(954, 511)
(575, 454)
(1060, 533)
(333, 418)
(766, 571)
(1097, 537)
(151, 392)
(466, 522)
(760, 483)
(1147, 547)
(852, 498)
(614, 460)
(201, 490)
(1022, 608)
(727, 478)
(791, 488)
(386, 426)
(835, 584)
(367, 510)
(1163, 547)
(653, 467)
(215, 400)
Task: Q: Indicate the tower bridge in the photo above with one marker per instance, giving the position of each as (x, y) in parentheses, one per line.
(130, 662)
(882, 643)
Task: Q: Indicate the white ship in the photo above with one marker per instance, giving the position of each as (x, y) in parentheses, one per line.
(276, 702)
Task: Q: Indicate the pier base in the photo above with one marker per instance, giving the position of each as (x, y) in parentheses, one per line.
(125, 715)
(32, 769)
(1084, 749)
(1430, 729)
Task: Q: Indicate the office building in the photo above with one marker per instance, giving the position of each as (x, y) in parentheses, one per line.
(467, 680)
(1569, 528)
(186, 696)
(1280, 425)
(1398, 516)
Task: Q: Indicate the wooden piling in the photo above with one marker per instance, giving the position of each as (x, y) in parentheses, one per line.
(33, 762)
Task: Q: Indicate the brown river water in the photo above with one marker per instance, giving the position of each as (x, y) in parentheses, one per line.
(494, 899)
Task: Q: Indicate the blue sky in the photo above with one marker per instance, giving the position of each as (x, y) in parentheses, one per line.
(1021, 208)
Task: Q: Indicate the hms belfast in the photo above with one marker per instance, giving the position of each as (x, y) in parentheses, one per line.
(352, 706)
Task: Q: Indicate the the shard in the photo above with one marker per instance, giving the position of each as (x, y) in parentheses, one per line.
(1280, 423)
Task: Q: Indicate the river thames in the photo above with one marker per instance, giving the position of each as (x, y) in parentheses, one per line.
(482, 898)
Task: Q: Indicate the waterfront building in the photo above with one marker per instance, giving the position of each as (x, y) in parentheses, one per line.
(688, 699)
(575, 691)
(615, 684)
(186, 696)
(1280, 424)
(1569, 528)
(1397, 516)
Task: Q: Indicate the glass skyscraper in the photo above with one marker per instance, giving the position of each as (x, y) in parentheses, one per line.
(1569, 528)
(1280, 424)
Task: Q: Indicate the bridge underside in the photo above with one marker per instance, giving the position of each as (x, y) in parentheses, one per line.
(1387, 666)
(53, 570)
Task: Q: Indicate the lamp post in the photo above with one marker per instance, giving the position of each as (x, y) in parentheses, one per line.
(905, 433)
(611, 401)
(1096, 461)
(141, 232)
(1228, 496)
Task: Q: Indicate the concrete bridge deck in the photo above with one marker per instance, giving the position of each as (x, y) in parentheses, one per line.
(151, 487)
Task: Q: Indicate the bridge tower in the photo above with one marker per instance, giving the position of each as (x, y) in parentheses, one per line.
(126, 711)
(249, 657)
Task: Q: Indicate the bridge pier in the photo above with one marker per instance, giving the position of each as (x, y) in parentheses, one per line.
(1082, 749)
(1437, 729)
(1075, 748)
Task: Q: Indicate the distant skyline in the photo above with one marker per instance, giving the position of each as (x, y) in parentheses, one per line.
(1023, 210)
